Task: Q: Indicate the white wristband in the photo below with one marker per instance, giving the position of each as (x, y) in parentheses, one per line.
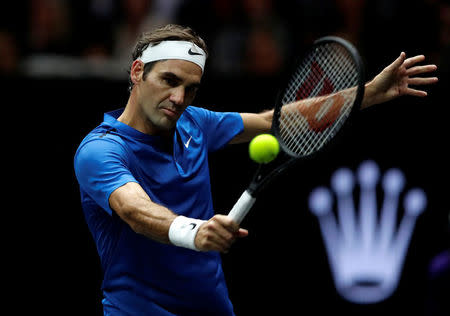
(183, 230)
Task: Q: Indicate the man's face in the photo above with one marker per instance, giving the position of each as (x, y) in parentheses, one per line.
(166, 92)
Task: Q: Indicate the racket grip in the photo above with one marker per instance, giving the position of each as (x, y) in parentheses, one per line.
(242, 206)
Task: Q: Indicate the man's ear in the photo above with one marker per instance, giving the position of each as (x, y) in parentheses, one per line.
(137, 70)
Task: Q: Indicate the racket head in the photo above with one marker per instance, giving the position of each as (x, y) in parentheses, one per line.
(329, 68)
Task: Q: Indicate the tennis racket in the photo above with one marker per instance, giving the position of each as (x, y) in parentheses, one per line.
(321, 95)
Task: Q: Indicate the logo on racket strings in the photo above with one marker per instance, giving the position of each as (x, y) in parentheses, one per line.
(366, 252)
(316, 74)
(323, 109)
(322, 112)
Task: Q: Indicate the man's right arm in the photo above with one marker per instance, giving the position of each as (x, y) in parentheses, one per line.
(145, 217)
(152, 220)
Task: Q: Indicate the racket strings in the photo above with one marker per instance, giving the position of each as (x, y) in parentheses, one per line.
(318, 99)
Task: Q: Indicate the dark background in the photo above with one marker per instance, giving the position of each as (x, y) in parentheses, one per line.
(281, 268)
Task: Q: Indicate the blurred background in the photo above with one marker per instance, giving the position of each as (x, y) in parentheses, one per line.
(64, 63)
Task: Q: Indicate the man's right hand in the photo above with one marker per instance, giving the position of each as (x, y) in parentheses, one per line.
(218, 234)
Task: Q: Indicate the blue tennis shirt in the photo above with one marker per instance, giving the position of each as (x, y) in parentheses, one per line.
(142, 276)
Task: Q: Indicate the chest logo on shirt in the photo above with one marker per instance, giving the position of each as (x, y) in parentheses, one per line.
(186, 144)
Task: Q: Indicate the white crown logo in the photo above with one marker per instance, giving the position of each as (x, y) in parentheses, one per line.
(366, 252)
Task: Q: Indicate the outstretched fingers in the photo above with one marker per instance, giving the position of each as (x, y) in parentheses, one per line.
(398, 62)
(417, 81)
(413, 60)
(415, 92)
(420, 70)
(413, 70)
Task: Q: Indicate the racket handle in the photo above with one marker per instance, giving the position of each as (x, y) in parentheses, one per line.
(242, 206)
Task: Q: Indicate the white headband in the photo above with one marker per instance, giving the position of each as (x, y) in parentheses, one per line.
(175, 50)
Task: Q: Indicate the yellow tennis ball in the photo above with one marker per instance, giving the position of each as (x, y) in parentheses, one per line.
(264, 148)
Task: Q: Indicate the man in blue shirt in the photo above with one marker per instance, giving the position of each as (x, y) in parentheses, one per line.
(145, 187)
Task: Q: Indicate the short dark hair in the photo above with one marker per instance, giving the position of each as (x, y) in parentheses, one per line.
(170, 32)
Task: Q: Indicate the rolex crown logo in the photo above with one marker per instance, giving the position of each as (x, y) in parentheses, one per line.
(365, 246)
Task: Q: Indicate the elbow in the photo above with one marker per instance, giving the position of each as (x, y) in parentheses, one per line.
(134, 207)
(132, 218)
(129, 214)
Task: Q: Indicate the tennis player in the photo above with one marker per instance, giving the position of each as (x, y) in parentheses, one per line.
(145, 185)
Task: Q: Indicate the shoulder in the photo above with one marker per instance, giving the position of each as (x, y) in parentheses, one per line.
(194, 113)
(204, 116)
(218, 127)
(99, 144)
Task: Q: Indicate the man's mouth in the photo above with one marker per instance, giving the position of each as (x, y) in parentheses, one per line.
(172, 113)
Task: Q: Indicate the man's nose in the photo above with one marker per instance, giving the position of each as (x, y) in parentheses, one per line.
(177, 96)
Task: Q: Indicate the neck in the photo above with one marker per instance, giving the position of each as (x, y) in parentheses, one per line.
(134, 117)
(131, 117)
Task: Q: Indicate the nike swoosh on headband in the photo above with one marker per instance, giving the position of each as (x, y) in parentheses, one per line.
(190, 52)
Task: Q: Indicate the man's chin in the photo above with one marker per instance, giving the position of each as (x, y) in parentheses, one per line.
(166, 124)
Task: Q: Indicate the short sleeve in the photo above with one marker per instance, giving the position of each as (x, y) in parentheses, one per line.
(220, 127)
(101, 167)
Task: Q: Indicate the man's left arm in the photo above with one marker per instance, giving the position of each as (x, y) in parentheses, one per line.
(254, 124)
(392, 82)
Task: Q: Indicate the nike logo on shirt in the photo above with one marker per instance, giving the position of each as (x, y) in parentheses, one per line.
(186, 144)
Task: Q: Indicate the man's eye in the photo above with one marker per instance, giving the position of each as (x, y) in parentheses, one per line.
(171, 82)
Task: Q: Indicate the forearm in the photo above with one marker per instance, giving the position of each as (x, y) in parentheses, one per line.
(370, 96)
(152, 221)
(144, 216)
(258, 123)
(159, 223)
(254, 124)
